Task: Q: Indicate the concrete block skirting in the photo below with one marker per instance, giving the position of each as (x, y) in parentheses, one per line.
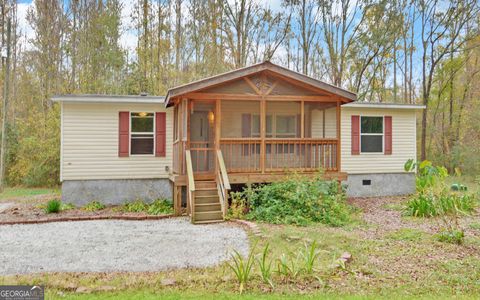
(385, 184)
(115, 191)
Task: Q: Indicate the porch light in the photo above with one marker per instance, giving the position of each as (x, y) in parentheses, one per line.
(211, 116)
(142, 114)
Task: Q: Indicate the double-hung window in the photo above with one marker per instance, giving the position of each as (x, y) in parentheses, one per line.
(142, 138)
(371, 134)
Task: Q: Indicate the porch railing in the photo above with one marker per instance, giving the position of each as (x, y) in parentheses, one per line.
(307, 154)
(203, 156)
(190, 184)
(223, 183)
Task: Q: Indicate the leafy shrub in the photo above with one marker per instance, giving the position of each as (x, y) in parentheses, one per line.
(238, 206)
(452, 236)
(94, 206)
(160, 207)
(135, 206)
(428, 174)
(157, 207)
(67, 206)
(298, 200)
(53, 206)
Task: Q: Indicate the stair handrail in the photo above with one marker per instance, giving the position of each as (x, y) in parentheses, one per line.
(190, 183)
(223, 183)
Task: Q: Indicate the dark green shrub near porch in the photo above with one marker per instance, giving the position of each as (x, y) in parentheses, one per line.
(298, 200)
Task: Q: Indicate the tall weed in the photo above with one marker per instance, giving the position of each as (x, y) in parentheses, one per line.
(242, 268)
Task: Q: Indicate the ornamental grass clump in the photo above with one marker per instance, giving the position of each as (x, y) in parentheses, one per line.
(298, 200)
(53, 206)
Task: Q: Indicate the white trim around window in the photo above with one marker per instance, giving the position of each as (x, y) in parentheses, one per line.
(372, 134)
(130, 132)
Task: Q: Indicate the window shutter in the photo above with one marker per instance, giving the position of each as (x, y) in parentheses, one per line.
(355, 135)
(160, 134)
(246, 125)
(388, 135)
(123, 133)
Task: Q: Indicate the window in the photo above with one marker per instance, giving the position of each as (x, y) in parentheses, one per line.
(285, 126)
(371, 134)
(256, 126)
(142, 133)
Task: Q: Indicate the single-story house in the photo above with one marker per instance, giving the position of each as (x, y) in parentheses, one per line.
(250, 125)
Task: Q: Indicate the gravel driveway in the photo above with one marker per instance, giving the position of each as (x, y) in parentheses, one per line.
(106, 246)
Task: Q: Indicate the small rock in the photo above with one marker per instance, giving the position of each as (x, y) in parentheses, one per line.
(82, 290)
(346, 257)
(168, 282)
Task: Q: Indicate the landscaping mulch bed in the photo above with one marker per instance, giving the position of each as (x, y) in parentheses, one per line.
(29, 210)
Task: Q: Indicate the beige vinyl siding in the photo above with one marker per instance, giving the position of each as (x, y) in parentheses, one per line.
(330, 123)
(90, 143)
(403, 142)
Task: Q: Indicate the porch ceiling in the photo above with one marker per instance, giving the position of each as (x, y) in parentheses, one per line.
(308, 83)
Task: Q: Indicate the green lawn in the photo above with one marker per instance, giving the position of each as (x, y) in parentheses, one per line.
(18, 192)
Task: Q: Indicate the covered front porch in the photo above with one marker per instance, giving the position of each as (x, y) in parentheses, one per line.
(254, 125)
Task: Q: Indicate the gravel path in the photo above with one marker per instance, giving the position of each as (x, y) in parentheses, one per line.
(107, 246)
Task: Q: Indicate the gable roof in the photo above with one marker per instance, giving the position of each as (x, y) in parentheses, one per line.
(254, 69)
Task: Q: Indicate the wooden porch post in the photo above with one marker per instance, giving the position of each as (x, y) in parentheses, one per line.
(263, 105)
(302, 119)
(218, 115)
(339, 141)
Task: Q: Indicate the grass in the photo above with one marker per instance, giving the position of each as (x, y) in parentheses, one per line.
(15, 192)
(53, 206)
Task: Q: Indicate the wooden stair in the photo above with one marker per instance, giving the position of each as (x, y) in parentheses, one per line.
(207, 203)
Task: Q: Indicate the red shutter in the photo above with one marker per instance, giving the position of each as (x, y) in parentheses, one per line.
(160, 134)
(355, 135)
(123, 133)
(388, 135)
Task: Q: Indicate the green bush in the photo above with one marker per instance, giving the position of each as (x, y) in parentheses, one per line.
(298, 200)
(94, 206)
(135, 206)
(53, 206)
(451, 236)
(160, 207)
(157, 207)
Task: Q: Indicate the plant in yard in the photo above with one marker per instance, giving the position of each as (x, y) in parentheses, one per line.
(287, 266)
(309, 255)
(237, 207)
(160, 207)
(299, 200)
(265, 266)
(452, 236)
(242, 267)
(53, 206)
(67, 206)
(94, 206)
(135, 206)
